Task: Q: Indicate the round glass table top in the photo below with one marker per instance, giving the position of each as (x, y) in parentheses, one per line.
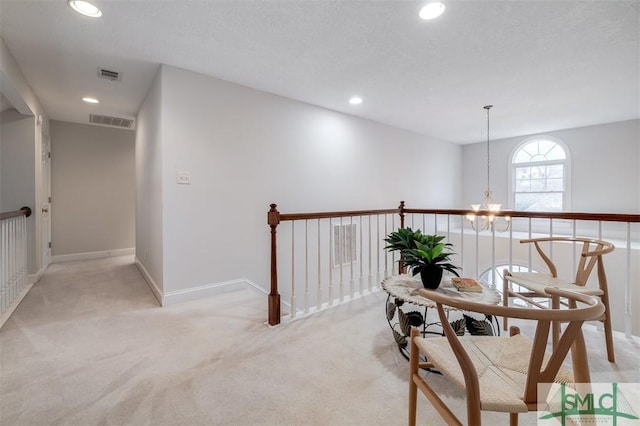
(405, 287)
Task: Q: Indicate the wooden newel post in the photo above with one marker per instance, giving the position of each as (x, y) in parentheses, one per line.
(273, 219)
(401, 213)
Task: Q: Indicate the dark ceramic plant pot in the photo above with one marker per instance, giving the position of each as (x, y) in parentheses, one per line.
(431, 276)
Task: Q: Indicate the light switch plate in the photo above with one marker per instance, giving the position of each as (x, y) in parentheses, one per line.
(183, 178)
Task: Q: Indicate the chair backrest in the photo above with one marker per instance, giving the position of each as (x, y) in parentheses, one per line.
(585, 308)
(591, 254)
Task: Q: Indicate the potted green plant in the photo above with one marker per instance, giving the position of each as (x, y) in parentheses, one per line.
(424, 254)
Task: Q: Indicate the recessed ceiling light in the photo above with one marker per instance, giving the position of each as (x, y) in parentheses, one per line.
(431, 10)
(91, 100)
(355, 100)
(85, 8)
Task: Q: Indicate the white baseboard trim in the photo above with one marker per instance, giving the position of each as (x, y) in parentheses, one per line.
(179, 296)
(34, 278)
(157, 293)
(193, 293)
(616, 334)
(92, 255)
(6, 314)
(301, 313)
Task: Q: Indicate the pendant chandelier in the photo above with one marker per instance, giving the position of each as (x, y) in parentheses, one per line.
(482, 217)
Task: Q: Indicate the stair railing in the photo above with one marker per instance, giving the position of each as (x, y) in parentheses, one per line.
(346, 246)
(336, 256)
(13, 258)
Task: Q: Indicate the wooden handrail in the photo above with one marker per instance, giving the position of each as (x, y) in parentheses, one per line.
(26, 211)
(274, 217)
(605, 217)
(328, 215)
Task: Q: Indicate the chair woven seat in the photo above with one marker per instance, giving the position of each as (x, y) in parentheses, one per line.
(537, 282)
(501, 364)
(500, 373)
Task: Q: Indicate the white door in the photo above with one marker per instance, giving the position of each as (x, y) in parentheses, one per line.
(45, 202)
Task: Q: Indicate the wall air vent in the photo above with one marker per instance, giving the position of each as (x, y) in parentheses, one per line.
(109, 75)
(106, 120)
(345, 249)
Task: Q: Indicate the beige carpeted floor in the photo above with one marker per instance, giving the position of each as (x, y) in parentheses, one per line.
(90, 346)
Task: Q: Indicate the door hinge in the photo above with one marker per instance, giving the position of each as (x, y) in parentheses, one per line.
(49, 154)
(49, 244)
(49, 199)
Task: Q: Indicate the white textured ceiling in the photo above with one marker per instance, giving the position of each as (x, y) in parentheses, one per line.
(545, 65)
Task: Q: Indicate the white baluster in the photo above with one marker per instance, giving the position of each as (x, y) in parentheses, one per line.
(462, 272)
(360, 259)
(370, 284)
(627, 288)
(319, 297)
(306, 266)
(4, 263)
(293, 270)
(351, 256)
(331, 254)
(386, 269)
(341, 257)
(377, 249)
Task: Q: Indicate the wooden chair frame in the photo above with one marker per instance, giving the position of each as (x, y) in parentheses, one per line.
(538, 372)
(590, 256)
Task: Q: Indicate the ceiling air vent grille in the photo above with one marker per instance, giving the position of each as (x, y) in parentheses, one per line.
(110, 121)
(109, 75)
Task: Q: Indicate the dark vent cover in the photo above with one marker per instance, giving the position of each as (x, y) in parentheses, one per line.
(110, 121)
(109, 75)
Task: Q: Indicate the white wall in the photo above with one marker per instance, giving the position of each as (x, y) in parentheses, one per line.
(148, 172)
(93, 188)
(245, 149)
(17, 143)
(17, 170)
(605, 167)
(16, 87)
(18, 91)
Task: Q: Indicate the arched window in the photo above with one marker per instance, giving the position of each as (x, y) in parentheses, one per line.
(539, 175)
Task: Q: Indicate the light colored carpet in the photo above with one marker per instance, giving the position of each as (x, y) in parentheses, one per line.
(90, 346)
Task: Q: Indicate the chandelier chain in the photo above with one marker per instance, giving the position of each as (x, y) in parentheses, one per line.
(488, 221)
(488, 193)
